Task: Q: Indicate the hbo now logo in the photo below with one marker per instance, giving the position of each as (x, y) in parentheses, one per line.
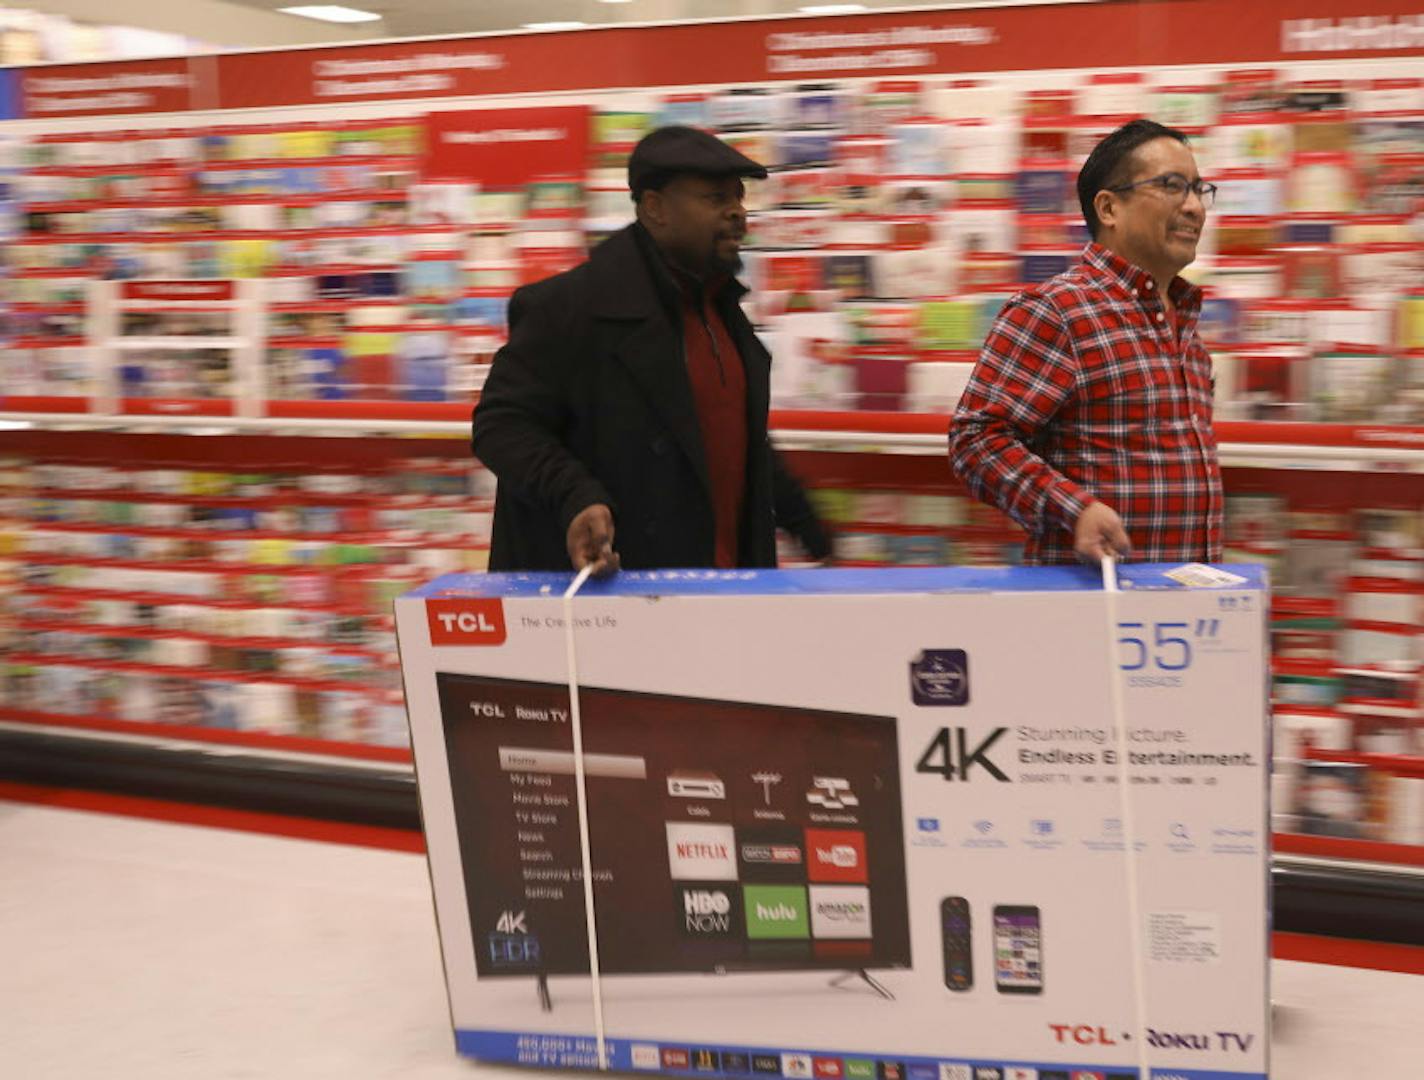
(705, 902)
(707, 911)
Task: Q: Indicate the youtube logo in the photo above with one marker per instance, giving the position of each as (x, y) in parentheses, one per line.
(836, 855)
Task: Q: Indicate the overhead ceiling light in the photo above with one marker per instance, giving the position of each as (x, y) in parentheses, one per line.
(572, 25)
(833, 9)
(335, 13)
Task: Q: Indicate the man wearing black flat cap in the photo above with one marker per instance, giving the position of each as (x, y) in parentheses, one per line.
(626, 417)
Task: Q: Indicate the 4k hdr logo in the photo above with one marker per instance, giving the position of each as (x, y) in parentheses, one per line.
(465, 621)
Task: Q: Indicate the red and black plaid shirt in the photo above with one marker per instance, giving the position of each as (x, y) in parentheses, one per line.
(1085, 390)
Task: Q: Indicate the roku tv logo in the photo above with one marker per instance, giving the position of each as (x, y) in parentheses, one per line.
(466, 621)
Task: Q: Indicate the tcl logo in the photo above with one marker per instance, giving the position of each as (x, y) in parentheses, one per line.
(1082, 1034)
(466, 621)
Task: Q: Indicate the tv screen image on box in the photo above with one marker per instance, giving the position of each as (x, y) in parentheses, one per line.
(723, 835)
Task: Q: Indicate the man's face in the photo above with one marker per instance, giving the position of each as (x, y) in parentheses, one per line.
(1148, 225)
(699, 222)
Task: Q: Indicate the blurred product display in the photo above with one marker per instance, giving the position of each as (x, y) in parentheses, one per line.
(349, 262)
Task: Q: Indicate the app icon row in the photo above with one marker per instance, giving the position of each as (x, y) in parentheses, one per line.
(702, 851)
(803, 1066)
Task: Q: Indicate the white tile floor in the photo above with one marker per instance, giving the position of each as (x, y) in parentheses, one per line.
(133, 950)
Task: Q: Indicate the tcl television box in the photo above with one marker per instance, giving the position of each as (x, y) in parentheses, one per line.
(850, 825)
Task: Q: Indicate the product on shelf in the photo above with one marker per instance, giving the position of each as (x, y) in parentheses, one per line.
(253, 600)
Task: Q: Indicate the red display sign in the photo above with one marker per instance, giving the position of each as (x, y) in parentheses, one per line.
(178, 290)
(136, 86)
(900, 45)
(506, 147)
(1113, 33)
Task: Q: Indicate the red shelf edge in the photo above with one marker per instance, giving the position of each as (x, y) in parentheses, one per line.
(1332, 847)
(298, 744)
(371, 410)
(1347, 952)
(1365, 436)
(216, 817)
(198, 672)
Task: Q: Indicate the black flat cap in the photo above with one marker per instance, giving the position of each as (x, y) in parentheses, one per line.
(664, 153)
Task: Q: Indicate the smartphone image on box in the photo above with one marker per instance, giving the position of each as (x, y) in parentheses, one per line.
(1018, 949)
(958, 954)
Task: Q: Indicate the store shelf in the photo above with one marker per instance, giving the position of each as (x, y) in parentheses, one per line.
(279, 500)
(215, 235)
(201, 566)
(175, 671)
(391, 538)
(206, 200)
(1240, 443)
(26, 408)
(138, 633)
(49, 309)
(48, 341)
(176, 406)
(162, 343)
(1399, 764)
(202, 773)
(161, 599)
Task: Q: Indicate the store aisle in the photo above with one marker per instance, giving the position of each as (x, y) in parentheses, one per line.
(135, 949)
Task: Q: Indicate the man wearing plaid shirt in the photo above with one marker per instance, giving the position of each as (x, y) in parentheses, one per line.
(1088, 416)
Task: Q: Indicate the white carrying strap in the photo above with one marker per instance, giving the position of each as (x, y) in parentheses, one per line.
(581, 793)
(1129, 821)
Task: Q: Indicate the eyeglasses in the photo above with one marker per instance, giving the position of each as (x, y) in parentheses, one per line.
(1177, 186)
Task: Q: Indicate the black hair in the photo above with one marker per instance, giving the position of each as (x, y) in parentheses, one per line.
(653, 181)
(1107, 166)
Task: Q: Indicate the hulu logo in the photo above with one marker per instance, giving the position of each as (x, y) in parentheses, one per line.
(776, 912)
(779, 913)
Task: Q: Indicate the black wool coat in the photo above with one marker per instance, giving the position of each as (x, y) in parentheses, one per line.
(590, 402)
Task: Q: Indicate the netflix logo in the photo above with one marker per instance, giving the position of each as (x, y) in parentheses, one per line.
(701, 852)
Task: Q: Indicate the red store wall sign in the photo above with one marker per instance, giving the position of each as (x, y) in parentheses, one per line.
(141, 86)
(908, 44)
(506, 147)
